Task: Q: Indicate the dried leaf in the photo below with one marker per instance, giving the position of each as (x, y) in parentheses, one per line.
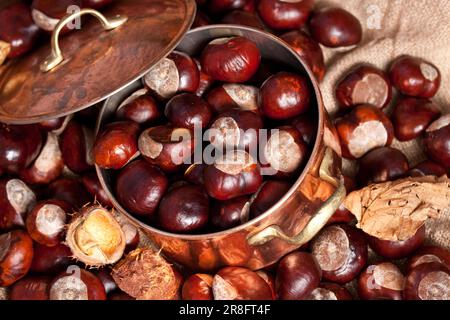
(396, 210)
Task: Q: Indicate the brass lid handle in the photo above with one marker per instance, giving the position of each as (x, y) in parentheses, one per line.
(56, 57)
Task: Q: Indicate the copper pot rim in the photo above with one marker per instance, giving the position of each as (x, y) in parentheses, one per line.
(314, 154)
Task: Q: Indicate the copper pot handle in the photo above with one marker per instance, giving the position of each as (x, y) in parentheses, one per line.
(318, 221)
(56, 57)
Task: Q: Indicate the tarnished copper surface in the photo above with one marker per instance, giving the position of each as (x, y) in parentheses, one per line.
(291, 214)
(97, 63)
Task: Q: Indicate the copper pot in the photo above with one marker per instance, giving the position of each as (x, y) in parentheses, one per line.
(291, 222)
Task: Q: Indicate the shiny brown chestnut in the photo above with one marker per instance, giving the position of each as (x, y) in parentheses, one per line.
(116, 145)
(184, 209)
(233, 96)
(18, 29)
(437, 141)
(381, 281)
(427, 168)
(50, 260)
(107, 280)
(235, 129)
(19, 146)
(92, 184)
(235, 283)
(48, 165)
(298, 274)
(16, 199)
(46, 13)
(381, 165)
(231, 213)
(16, 254)
(427, 254)
(220, 6)
(428, 281)
(363, 129)
(285, 14)
(46, 222)
(132, 237)
(412, 116)
(364, 85)
(268, 194)
(76, 284)
(307, 48)
(96, 4)
(342, 214)
(186, 110)
(194, 173)
(76, 146)
(166, 146)
(330, 291)
(335, 27)
(198, 287)
(52, 124)
(397, 249)
(30, 288)
(341, 252)
(205, 82)
(285, 152)
(140, 187)
(233, 175)
(71, 191)
(270, 280)
(307, 127)
(284, 95)
(415, 77)
(243, 18)
(234, 59)
(140, 108)
(176, 73)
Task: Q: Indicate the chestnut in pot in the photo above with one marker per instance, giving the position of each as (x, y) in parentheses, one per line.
(243, 18)
(198, 287)
(194, 173)
(341, 252)
(231, 213)
(412, 116)
(71, 191)
(415, 77)
(284, 95)
(364, 85)
(205, 82)
(335, 27)
(427, 254)
(140, 107)
(381, 165)
(50, 260)
(186, 110)
(30, 288)
(285, 14)
(268, 194)
(76, 284)
(307, 127)
(428, 281)
(437, 141)
(330, 291)
(427, 168)
(47, 13)
(233, 96)
(382, 281)
(234, 59)
(363, 129)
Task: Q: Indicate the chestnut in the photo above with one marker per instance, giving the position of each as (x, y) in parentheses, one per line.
(428, 281)
(92, 184)
(52, 124)
(46, 222)
(298, 274)
(167, 147)
(50, 260)
(342, 214)
(198, 287)
(284, 95)
(235, 283)
(397, 249)
(268, 194)
(364, 85)
(412, 116)
(71, 191)
(233, 175)
(381, 165)
(30, 288)
(427, 168)
(341, 251)
(116, 145)
(270, 280)
(285, 152)
(46, 14)
(415, 77)
(285, 15)
(132, 237)
(76, 146)
(233, 96)
(382, 281)
(140, 187)
(16, 199)
(220, 6)
(16, 254)
(307, 128)
(48, 165)
(335, 27)
(18, 29)
(19, 146)
(437, 141)
(184, 209)
(201, 19)
(231, 213)
(107, 280)
(307, 48)
(205, 82)
(330, 291)
(194, 173)
(176, 73)
(363, 129)
(140, 108)
(243, 18)
(76, 284)
(188, 111)
(427, 254)
(96, 4)
(235, 129)
(234, 59)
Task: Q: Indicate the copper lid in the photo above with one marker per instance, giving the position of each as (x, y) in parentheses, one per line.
(96, 63)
